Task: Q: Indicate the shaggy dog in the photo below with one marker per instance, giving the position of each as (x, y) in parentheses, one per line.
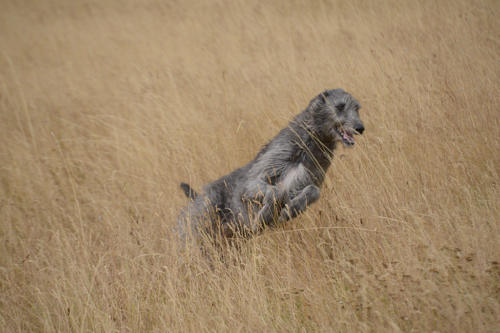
(282, 180)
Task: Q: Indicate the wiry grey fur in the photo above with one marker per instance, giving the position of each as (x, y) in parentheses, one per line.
(283, 179)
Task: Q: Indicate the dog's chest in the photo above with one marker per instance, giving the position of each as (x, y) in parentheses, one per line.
(294, 178)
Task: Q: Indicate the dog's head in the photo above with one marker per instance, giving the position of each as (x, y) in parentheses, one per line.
(340, 112)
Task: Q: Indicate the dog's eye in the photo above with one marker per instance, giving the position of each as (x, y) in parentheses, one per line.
(340, 106)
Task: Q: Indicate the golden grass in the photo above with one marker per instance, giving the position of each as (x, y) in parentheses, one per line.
(105, 106)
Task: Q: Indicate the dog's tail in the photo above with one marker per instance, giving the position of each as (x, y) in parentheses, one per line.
(188, 191)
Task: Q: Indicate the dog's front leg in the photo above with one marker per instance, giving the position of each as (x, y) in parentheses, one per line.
(299, 204)
(272, 204)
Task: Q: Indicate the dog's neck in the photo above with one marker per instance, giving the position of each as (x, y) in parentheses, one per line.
(315, 141)
(316, 124)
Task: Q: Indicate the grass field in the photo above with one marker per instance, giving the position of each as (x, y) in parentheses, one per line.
(105, 106)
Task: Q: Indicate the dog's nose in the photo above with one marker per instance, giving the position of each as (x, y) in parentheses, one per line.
(360, 129)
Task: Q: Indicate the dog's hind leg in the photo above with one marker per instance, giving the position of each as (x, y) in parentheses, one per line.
(299, 204)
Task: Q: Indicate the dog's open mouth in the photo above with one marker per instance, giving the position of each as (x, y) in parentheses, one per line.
(346, 137)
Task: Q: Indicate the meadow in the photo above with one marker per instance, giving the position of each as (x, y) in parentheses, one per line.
(106, 106)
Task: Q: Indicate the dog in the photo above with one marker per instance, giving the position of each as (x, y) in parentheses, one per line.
(282, 180)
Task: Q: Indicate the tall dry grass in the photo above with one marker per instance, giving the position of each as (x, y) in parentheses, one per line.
(105, 106)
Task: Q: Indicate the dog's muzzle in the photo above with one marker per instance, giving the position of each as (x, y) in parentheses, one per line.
(347, 135)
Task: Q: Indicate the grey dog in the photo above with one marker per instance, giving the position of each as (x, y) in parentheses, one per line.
(282, 180)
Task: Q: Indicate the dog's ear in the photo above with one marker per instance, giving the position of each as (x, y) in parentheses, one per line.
(320, 101)
(323, 96)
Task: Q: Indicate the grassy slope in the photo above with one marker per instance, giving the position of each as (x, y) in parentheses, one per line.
(106, 106)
